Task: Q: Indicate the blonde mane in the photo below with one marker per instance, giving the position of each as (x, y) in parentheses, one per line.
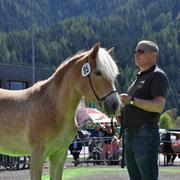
(77, 56)
(105, 64)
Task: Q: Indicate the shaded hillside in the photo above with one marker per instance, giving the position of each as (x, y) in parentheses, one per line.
(17, 14)
(113, 23)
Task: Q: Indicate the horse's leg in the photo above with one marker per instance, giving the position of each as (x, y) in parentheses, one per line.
(57, 161)
(36, 164)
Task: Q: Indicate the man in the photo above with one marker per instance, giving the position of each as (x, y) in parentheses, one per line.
(96, 132)
(143, 105)
(116, 129)
(167, 148)
(94, 150)
(75, 149)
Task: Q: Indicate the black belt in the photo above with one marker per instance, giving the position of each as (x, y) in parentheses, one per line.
(134, 130)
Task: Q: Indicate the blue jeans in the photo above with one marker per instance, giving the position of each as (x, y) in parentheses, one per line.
(141, 153)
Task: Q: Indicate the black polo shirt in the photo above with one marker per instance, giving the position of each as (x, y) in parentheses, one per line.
(148, 85)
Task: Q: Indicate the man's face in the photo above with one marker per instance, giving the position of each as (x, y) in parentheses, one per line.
(146, 59)
(115, 128)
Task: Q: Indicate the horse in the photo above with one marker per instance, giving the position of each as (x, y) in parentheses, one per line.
(39, 121)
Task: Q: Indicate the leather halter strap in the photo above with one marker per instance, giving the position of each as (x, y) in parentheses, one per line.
(97, 97)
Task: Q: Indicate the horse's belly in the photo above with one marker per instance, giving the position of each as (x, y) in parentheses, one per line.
(14, 141)
(14, 148)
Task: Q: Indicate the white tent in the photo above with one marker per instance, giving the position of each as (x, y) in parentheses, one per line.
(98, 117)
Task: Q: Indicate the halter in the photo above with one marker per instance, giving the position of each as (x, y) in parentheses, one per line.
(97, 97)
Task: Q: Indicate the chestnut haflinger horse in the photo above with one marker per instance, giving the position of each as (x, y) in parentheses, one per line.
(39, 121)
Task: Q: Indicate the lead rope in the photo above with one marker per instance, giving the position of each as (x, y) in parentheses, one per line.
(122, 135)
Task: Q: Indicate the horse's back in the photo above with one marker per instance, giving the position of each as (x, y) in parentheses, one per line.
(13, 103)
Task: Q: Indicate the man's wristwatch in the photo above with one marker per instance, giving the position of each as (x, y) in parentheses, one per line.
(132, 100)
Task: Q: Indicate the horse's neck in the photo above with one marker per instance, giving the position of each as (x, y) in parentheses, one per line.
(65, 83)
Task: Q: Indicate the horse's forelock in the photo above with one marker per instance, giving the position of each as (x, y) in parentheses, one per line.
(106, 65)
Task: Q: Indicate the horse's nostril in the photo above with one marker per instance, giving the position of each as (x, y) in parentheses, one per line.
(115, 106)
(111, 108)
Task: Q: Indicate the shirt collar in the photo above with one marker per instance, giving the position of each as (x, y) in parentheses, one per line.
(147, 71)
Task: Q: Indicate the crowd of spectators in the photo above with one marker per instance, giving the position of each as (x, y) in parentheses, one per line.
(104, 145)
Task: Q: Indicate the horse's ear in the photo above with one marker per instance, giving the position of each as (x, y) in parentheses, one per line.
(110, 51)
(94, 51)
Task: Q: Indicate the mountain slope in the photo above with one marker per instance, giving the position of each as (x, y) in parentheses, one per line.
(118, 23)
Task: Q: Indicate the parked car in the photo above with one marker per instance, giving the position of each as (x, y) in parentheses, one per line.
(90, 130)
(175, 129)
(84, 135)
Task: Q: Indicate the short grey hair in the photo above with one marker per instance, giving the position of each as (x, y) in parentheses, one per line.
(151, 45)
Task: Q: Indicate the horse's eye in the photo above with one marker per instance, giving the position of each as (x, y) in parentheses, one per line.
(98, 73)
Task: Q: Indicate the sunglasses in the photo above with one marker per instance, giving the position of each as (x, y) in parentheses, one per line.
(142, 51)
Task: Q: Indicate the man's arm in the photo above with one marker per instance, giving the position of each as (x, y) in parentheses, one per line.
(154, 105)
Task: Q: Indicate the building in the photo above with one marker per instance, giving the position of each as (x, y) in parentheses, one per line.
(20, 77)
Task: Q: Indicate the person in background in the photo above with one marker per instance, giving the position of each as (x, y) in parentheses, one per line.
(116, 149)
(108, 134)
(116, 131)
(94, 150)
(96, 133)
(143, 104)
(167, 147)
(75, 149)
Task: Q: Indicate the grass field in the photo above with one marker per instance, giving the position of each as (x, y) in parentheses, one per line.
(85, 172)
(74, 173)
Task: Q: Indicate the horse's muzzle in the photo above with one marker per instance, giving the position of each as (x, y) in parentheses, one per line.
(111, 105)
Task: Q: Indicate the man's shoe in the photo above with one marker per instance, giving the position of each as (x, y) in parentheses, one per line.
(77, 161)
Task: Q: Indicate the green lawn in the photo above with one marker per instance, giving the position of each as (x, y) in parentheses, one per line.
(75, 173)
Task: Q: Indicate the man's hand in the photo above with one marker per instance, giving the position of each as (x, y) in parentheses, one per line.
(125, 98)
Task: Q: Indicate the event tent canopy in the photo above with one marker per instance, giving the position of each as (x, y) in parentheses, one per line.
(98, 117)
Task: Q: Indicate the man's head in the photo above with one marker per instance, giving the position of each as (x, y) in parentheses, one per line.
(150, 45)
(146, 53)
(115, 127)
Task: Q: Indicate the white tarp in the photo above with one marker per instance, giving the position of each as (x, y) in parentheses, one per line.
(98, 117)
